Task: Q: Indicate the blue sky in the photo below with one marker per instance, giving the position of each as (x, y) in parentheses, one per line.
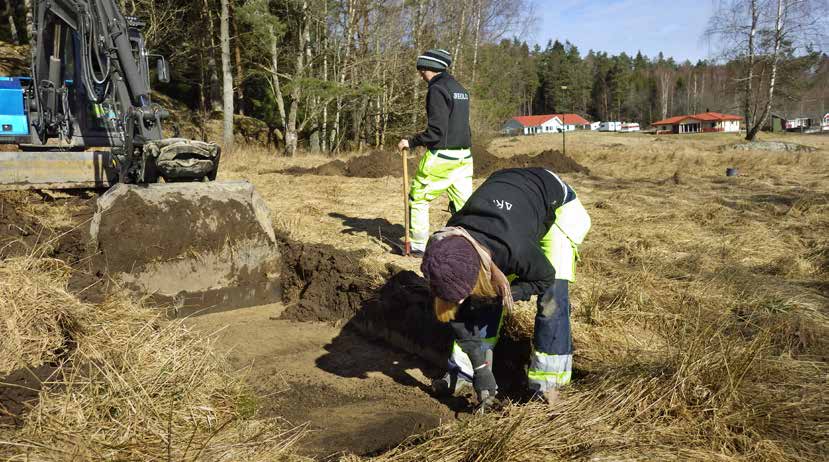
(675, 28)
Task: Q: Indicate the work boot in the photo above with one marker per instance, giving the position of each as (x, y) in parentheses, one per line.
(450, 384)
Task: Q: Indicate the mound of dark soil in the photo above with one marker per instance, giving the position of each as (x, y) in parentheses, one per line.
(321, 283)
(486, 163)
(379, 164)
(376, 164)
(19, 392)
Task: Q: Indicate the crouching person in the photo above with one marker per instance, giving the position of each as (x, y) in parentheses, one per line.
(517, 236)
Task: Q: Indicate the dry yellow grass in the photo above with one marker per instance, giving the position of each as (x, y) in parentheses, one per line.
(700, 310)
(124, 384)
(699, 318)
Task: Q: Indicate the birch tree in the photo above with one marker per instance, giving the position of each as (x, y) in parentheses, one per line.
(227, 80)
(757, 33)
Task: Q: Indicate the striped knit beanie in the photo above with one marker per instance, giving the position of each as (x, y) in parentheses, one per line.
(434, 60)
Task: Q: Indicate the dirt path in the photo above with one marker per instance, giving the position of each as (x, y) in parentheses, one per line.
(326, 376)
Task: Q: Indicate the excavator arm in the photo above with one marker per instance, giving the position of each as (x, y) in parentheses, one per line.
(90, 89)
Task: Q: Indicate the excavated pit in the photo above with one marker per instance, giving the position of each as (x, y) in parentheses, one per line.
(378, 164)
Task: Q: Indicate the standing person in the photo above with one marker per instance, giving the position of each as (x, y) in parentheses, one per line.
(525, 223)
(447, 164)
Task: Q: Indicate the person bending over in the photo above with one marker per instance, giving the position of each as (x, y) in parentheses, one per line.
(517, 236)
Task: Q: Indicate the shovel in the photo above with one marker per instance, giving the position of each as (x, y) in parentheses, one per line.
(407, 245)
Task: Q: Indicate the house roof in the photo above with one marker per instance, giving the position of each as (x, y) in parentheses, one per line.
(536, 120)
(533, 120)
(572, 119)
(704, 116)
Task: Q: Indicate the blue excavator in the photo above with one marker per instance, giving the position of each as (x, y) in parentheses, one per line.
(84, 117)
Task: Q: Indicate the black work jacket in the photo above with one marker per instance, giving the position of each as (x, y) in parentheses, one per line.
(447, 112)
(509, 214)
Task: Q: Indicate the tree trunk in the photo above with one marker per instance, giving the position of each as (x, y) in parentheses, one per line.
(213, 93)
(665, 88)
(419, 24)
(27, 4)
(227, 81)
(478, 7)
(10, 12)
(456, 57)
(747, 112)
(336, 137)
(291, 135)
(203, 112)
(240, 71)
(778, 41)
(324, 134)
(277, 88)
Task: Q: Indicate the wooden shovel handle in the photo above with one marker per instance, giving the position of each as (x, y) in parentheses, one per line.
(407, 245)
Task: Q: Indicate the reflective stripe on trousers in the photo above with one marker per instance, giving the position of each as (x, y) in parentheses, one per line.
(551, 363)
(440, 171)
(549, 371)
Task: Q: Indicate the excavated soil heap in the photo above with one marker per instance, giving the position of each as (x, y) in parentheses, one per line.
(486, 163)
(321, 283)
(379, 164)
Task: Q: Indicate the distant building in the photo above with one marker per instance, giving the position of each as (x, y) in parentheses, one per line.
(531, 125)
(825, 124)
(698, 123)
(778, 123)
(629, 127)
(547, 123)
(595, 126)
(791, 124)
(610, 126)
(573, 122)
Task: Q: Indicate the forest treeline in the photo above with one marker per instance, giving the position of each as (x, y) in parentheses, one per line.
(335, 75)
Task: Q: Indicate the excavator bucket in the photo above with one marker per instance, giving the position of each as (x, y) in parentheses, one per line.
(190, 246)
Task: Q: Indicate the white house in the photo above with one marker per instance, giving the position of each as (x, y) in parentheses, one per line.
(547, 123)
(532, 125)
(824, 126)
(595, 126)
(610, 126)
(573, 122)
(698, 123)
